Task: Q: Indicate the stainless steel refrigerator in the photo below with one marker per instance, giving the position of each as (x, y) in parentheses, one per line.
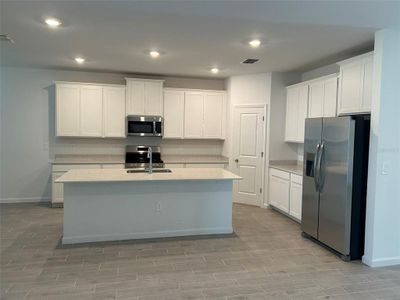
(334, 183)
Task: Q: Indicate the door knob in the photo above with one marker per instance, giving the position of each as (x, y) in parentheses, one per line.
(236, 160)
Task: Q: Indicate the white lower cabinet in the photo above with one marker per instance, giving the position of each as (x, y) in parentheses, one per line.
(57, 190)
(279, 185)
(285, 192)
(295, 196)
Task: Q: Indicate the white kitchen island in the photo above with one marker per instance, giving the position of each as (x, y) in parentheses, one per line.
(111, 204)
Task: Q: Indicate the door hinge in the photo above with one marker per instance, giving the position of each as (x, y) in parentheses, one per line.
(260, 190)
(263, 118)
(262, 154)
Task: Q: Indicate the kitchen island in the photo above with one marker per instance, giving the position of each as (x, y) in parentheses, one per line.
(112, 204)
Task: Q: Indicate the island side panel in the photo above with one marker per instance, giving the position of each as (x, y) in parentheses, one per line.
(109, 211)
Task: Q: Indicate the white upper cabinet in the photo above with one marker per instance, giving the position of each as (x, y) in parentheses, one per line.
(213, 115)
(67, 110)
(204, 115)
(355, 85)
(194, 111)
(173, 113)
(114, 112)
(330, 97)
(144, 97)
(316, 100)
(323, 98)
(296, 113)
(90, 110)
(91, 115)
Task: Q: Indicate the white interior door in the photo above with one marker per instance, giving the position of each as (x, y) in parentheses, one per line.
(247, 148)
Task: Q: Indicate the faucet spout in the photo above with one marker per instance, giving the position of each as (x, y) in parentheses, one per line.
(150, 157)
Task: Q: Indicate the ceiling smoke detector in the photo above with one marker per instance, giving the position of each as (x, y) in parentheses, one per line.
(250, 61)
(6, 38)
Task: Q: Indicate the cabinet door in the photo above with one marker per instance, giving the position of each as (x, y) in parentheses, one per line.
(67, 110)
(173, 114)
(291, 114)
(367, 84)
(135, 97)
(351, 77)
(295, 196)
(114, 111)
(330, 97)
(213, 115)
(302, 113)
(279, 193)
(57, 189)
(194, 111)
(153, 103)
(91, 115)
(316, 100)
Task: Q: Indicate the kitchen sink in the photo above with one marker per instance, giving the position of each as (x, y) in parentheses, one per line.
(147, 171)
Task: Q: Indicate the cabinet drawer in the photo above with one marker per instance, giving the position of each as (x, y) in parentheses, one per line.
(222, 166)
(113, 166)
(296, 178)
(279, 173)
(65, 168)
(174, 166)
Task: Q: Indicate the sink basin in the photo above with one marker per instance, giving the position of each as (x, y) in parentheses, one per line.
(147, 171)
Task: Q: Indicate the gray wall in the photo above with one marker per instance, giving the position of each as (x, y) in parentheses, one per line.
(28, 143)
(278, 148)
(321, 71)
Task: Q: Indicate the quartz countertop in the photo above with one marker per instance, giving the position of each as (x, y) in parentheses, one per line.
(195, 159)
(120, 159)
(121, 175)
(288, 166)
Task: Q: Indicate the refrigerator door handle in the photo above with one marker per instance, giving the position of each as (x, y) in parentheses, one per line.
(315, 168)
(320, 178)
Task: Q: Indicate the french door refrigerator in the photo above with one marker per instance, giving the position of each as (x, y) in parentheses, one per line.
(334, 183)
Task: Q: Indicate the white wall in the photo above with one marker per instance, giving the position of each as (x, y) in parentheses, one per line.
(27, 133)
(382, 244)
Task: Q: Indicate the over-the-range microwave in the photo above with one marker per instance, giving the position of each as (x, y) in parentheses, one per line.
(145, 125)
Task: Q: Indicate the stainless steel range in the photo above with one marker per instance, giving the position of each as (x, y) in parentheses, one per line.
(138, 157)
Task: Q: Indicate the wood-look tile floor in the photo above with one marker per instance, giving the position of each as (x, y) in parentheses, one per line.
(266, 259)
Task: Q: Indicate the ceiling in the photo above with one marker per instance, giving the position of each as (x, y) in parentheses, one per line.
(192, 36)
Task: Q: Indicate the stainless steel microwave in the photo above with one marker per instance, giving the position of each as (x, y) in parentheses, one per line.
(145, 125)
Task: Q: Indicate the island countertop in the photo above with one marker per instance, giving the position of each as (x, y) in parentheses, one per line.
(121, 175)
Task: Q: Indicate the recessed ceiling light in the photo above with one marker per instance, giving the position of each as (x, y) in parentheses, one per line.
(214, 70)
(255, 43)
(53, 23)
(154, 54)
(79, 60)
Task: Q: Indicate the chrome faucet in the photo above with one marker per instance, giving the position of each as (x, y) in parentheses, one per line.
(150, 157)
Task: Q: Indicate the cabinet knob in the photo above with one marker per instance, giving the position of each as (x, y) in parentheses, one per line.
(236, 160)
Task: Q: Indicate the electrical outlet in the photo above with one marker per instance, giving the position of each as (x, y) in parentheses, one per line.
(385, 168)
(158, 206)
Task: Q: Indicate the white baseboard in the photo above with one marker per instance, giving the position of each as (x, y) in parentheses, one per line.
(25, 200)
(146, 235)
(381, 262)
